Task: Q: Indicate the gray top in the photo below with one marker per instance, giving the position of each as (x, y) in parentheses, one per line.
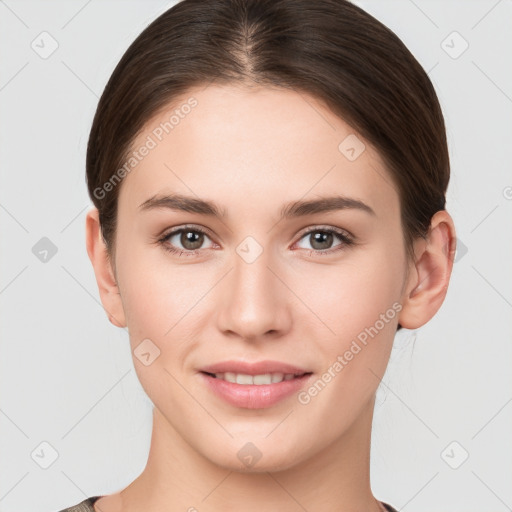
(87, 506)
(83, 506)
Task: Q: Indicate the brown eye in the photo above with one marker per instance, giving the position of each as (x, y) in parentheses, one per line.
(321, 240)
(184, 240)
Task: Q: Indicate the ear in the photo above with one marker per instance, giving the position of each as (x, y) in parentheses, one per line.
(429, 275)
(105, 276)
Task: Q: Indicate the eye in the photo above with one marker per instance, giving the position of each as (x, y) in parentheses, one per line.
(321, 240)
(190, 238)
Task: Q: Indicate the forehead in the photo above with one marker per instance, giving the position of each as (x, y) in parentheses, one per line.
(231, 143)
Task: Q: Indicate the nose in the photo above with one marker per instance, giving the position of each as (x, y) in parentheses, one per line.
(253, 300)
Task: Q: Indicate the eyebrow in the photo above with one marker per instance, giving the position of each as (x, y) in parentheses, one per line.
(293, 209)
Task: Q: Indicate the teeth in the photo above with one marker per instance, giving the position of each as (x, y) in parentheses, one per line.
(267, 378)
(230, 377)
(244, 379)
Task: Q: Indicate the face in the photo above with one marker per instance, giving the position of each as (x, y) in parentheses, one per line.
(266, 287)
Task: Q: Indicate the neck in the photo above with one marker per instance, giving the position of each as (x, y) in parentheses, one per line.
(176, 477)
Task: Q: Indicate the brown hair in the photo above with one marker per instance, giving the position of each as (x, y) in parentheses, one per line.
(330, 49)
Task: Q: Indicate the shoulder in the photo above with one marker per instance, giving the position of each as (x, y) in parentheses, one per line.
(83, 506)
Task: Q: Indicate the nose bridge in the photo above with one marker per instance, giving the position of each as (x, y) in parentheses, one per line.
(255, 299)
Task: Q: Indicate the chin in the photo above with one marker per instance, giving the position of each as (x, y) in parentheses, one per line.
(262, 466)
(260, 456)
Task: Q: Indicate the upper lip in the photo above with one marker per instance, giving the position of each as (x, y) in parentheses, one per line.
(256, 368)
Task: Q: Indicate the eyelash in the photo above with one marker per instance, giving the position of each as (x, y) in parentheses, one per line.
(346, 241)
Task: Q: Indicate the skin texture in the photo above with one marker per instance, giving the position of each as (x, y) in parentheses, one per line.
(251, 150)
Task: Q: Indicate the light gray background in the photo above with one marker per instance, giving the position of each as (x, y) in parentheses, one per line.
(67, 376)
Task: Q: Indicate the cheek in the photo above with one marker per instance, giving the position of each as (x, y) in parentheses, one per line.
(156, 307)
(353, 296)
(156, 293)
(163, 303)
(360, 305)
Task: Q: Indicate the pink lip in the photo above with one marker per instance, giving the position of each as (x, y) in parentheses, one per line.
(253, 396)
(257, 368)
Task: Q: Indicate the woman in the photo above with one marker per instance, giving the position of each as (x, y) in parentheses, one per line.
(269, 182)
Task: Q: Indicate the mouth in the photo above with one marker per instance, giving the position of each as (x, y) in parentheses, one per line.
(254, 385)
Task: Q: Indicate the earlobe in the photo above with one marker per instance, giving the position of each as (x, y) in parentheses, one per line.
(105, 276)
(428, 280)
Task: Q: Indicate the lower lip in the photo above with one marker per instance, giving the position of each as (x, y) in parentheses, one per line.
(254, 396)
